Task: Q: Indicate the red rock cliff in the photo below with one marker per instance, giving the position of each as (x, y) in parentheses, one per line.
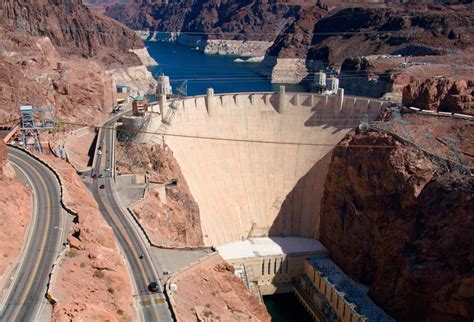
(73, 29)
(55, 53)
(441, 95)
(402, 224)
(244, 20)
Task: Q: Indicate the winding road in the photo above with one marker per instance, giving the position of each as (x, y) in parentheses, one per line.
(151, 306)
(26, 294)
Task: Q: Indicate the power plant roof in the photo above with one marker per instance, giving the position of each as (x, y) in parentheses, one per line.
(270, 246)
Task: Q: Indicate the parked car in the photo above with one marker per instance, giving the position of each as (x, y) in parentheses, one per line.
(101, 175)
(99, 152)
(101, 186)
(94, 176)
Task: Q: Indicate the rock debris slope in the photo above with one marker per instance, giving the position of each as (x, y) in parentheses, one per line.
(172, 220)
(209, 291)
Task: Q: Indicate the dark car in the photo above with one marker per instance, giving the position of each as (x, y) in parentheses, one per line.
(94, 176)
(101, 186)
(153, 287)
(101, 175)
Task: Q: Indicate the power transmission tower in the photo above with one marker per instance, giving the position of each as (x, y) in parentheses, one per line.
(33, 120)
(182, 89)
(166, 120)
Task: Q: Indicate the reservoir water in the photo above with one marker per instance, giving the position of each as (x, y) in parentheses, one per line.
(201, 71)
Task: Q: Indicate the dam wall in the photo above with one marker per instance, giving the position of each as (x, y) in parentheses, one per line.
(256, 162)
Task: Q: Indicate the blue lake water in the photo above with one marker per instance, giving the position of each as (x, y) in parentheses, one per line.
(201, 71)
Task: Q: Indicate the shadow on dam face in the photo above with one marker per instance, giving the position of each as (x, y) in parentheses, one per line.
(299, 212)
(256, 162)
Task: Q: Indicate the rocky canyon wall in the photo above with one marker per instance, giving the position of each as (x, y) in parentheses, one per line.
(57, 54)
(441, 95)
(237, 20)
(400, 220)
(209, 290)
(73, 29)
(33, 72)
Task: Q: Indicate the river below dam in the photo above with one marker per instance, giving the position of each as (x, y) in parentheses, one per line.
(286, 308)
(222, 73)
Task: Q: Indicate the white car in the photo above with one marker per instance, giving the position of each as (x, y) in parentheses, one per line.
(99, 152)
(107, 169)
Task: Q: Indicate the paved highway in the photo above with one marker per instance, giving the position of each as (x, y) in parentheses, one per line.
(151, 306)
(27, 291)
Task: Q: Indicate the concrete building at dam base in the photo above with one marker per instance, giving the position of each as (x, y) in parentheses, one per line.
(256, 164)
(272, 265)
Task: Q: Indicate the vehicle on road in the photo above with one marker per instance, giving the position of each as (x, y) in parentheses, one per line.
(107, 169)
(99, 152)
(153, 287)
(101, 186)
(101, 175)
(94, 176)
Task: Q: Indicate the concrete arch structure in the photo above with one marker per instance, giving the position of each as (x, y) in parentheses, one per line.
(271, 185)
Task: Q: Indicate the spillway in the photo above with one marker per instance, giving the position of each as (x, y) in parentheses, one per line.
(256, 162)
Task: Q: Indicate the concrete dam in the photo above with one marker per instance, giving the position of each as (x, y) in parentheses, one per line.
(256, 162)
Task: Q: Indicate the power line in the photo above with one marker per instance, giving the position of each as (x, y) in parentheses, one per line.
(232, 10)
(329, 33)
(276, 32)
(213, 138)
